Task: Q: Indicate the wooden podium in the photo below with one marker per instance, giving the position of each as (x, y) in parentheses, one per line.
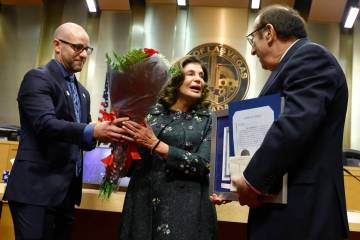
(93, 210)
(352, 188)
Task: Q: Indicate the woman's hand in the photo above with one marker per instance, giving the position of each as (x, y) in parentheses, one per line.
(142, 135)
(218, 199)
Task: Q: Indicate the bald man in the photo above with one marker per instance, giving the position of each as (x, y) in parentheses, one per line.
(46, 179)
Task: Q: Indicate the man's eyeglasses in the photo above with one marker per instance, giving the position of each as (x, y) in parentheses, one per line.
(250, 36)
(78, 48)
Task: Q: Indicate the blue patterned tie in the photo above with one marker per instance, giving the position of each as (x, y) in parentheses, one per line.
(75, 97)
(76, 102)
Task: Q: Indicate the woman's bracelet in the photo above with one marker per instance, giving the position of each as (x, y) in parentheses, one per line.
(154, 147)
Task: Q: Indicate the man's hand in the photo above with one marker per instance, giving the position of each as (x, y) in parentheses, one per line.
(247, 196)
(111, 131)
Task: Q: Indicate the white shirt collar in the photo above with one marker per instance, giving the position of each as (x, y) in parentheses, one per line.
(288, 49)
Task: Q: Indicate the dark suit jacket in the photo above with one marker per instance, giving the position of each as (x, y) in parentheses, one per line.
(50, 140)
(305, 142)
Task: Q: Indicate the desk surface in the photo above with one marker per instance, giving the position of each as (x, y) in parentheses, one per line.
(231, 212)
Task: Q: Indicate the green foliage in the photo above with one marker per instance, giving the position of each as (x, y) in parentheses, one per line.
(174, 71)
(106, 188)
(122, 62)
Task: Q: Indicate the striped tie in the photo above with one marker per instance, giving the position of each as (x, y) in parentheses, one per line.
(75, 97)
(76, 102)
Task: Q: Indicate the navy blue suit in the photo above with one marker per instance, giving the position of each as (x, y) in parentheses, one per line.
(306, 143)
(51, 140)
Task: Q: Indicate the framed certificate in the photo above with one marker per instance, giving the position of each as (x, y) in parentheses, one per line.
(220, 152)
(237, 133)
(249, 122)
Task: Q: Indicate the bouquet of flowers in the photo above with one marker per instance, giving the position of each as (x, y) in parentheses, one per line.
(135, 80)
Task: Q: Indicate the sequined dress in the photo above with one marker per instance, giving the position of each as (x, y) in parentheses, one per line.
(170, 199)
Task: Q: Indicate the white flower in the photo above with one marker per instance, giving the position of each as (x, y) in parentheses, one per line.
(197, 118)
(168, 129)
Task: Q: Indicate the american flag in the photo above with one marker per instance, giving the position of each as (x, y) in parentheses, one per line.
(104, 111)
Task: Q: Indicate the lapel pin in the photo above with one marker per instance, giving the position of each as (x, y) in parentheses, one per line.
(67, 92)
(84, 95)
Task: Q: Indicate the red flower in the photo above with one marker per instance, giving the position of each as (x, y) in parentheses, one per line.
(150, 51)
(108, 116)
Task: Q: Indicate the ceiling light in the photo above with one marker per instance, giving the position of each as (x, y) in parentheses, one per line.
(91, 5)
(255, 4)
(351, 17)
(181, 3)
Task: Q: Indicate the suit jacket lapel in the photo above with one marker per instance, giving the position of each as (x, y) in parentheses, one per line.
(271, 79)
(83, 103)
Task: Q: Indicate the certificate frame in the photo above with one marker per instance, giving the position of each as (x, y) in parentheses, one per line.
(274, 102)
(219, 176)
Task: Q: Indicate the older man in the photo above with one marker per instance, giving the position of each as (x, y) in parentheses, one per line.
(305, 142)
(46, 178)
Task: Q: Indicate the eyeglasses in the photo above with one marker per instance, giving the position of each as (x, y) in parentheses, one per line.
(78, 48)
(250, 36)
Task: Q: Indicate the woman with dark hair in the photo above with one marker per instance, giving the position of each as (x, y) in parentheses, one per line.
(167, 197)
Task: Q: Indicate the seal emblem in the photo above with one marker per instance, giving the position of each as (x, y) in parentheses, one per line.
(228, 73)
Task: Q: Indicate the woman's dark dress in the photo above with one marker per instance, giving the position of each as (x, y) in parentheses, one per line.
(169, 199)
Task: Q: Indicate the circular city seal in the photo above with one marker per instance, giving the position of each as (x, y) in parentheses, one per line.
(229, 74)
